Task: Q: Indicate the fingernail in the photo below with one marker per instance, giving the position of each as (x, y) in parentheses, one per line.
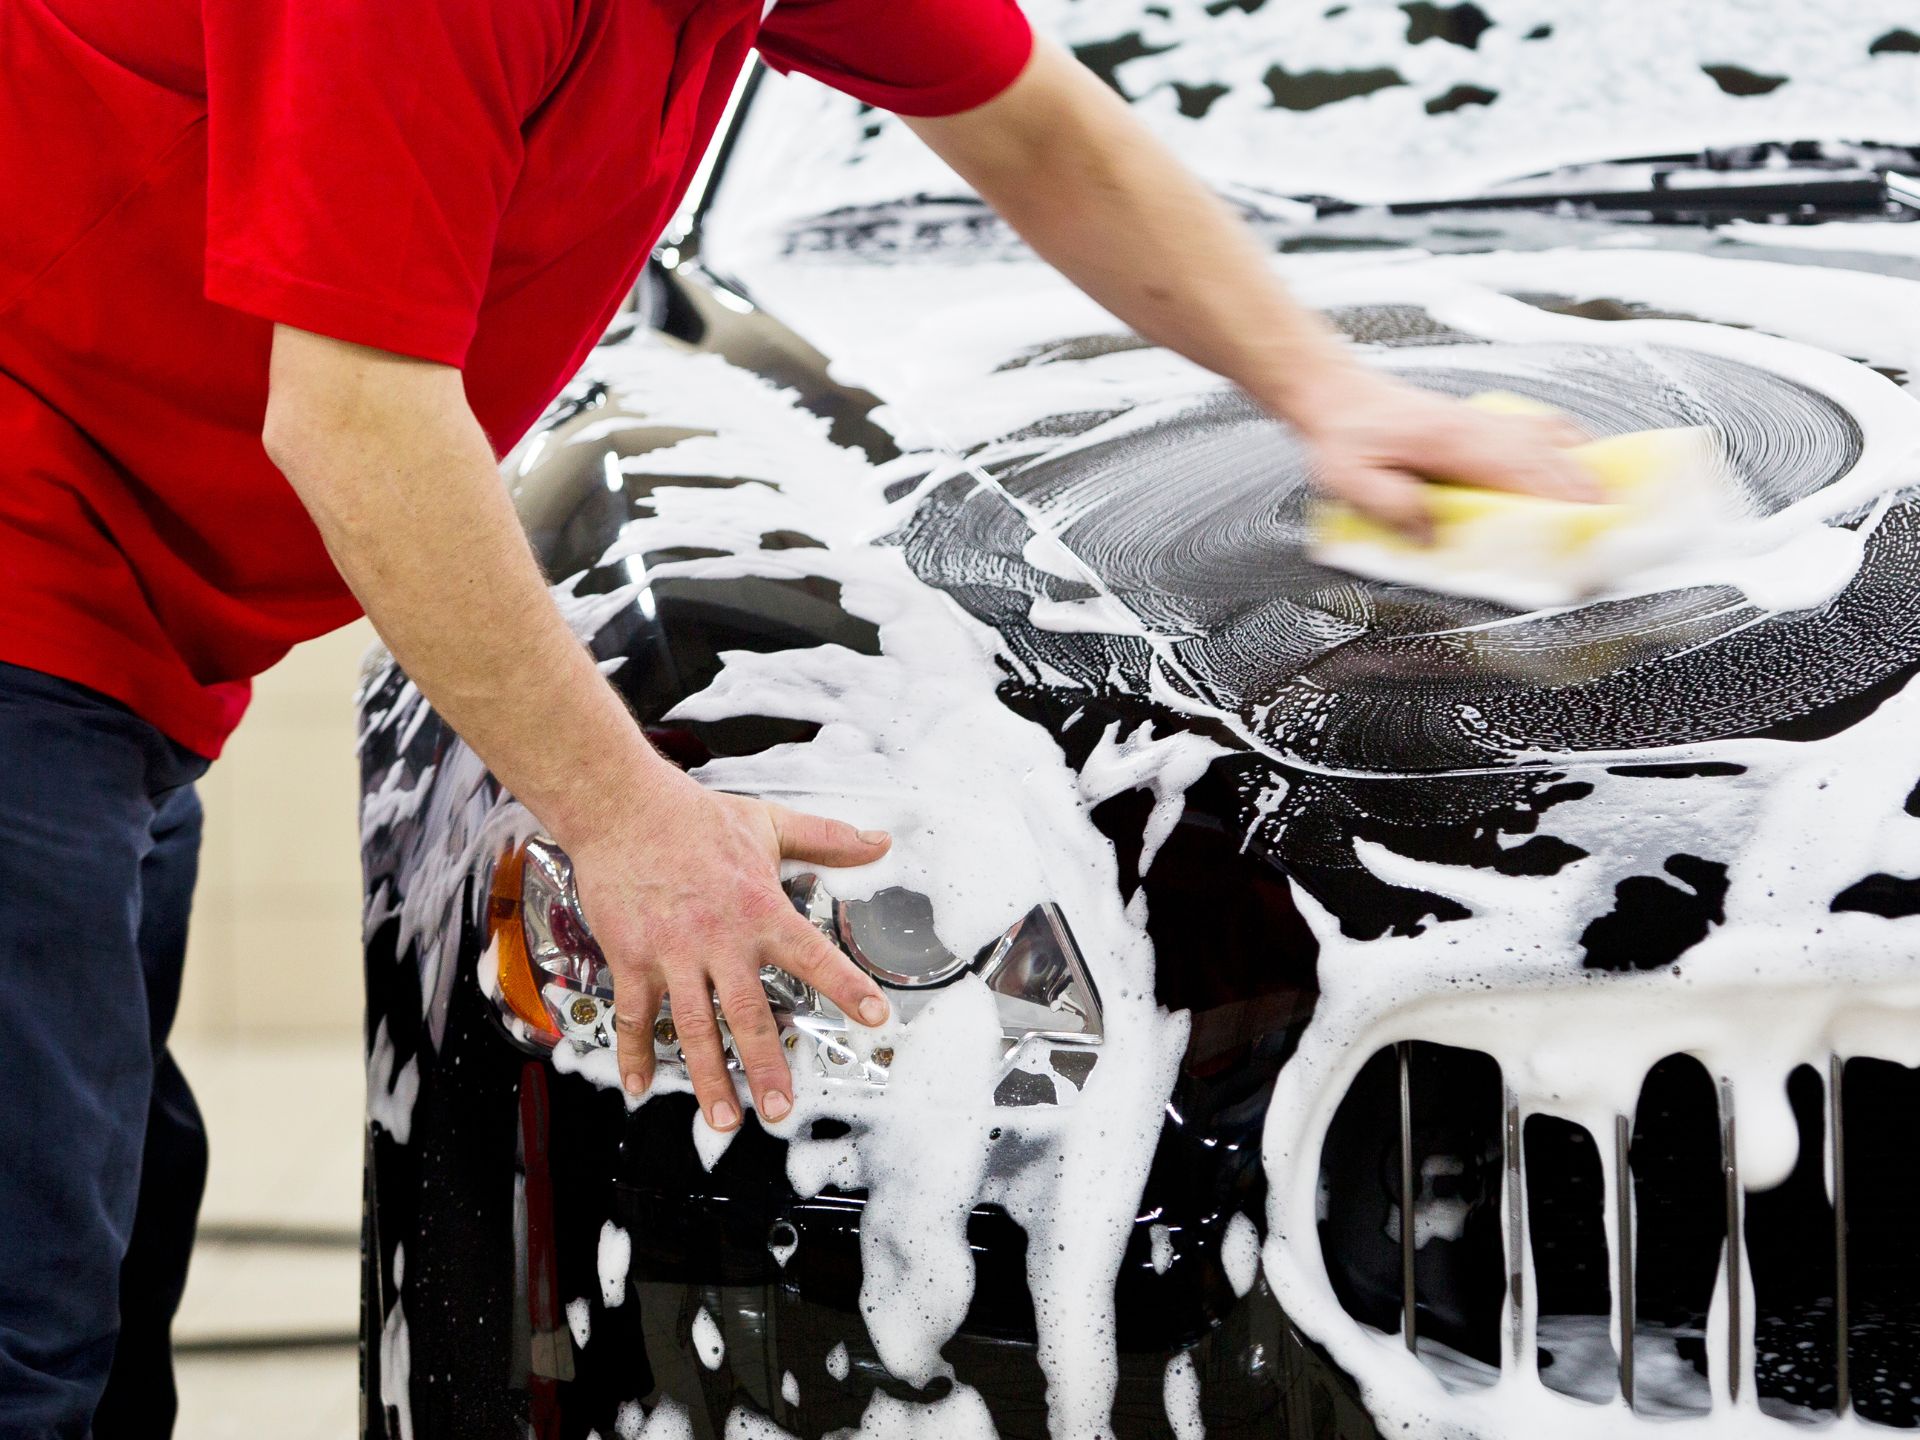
(723, 1116)
(773, 1105)
(873, 1010)
(873, 837)
(635, 1085)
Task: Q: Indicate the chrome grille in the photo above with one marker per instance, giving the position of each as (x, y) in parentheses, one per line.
(1818, 1310)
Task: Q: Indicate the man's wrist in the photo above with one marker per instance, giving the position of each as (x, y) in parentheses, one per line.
(624, 791)
(1297, 380)
(1322, 383)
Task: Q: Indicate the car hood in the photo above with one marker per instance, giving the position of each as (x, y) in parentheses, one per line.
(1129, 527)
(1042, 613)
(1676, 819)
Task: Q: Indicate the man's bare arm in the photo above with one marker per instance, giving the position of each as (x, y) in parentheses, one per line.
(679, 883)
(1070, 167)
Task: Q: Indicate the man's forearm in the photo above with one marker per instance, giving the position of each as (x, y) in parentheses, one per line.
(405, 490)
(680, 885)
(1096, 195)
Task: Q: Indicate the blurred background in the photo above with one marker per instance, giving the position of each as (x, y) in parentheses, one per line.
(269, 1036)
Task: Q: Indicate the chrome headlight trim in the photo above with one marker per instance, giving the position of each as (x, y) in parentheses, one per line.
(1046, 998)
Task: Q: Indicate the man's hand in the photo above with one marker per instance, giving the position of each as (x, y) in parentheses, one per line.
(1086, 183)
(682, 886)
(689, 904)
(1376, 440)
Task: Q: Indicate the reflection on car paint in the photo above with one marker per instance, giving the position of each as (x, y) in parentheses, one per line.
(1459, 795)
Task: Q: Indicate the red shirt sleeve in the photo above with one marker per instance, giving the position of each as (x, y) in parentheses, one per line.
(913, 57)
(360, 153)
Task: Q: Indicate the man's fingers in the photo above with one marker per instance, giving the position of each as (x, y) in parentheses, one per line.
(1556, 429)
(1511, 452)
(699, 1035)
(756, 1040)
(821, 841)
(804, 953)
(636, 1006)
(1392, 497)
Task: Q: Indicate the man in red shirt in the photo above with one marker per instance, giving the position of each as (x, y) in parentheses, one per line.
(279, 281)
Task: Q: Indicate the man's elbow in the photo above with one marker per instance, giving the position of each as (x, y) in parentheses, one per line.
(289, 433)
(328, 399)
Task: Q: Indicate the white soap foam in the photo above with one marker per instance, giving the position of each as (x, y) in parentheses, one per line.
(1783, 982)
(890, 725)
(669, 1421)
(1166, 766)
(630, 1420)
(745, 1424)
(391, 1092)
(1437, 1216)
(789, 1387)
(396, 1353)
(708, 1143)
(961, 1414)
(985, 846)
(885, 718)
(580, 1320)
(1182, 1398)
(932, 1124)
(1567, 84)
(1240, 1253)
(615, 1254)
(1100, 614)
(708, 1343)
(1160, 1248)
(837, 1362)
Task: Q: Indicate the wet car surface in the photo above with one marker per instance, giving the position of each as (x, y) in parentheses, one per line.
(1436, 987)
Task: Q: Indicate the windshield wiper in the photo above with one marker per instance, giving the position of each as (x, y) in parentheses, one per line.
(1802, 181)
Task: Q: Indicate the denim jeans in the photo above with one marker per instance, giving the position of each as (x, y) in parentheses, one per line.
(102, 1154)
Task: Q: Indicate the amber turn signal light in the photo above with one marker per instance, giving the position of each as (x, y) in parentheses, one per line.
(518, 986)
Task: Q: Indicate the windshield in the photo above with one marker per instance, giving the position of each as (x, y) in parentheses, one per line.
(1373, 100)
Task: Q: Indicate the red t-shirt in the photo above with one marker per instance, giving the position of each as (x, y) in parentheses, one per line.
(475, 182)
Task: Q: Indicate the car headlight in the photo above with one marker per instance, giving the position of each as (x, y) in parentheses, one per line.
(550, 983)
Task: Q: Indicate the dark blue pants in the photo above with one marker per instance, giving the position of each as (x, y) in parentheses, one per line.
(102, 1155)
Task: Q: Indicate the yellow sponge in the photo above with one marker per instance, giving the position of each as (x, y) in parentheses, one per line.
(1531, 552)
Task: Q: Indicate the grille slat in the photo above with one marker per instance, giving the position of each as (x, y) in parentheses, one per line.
(1736, 1228)
(1837, 1169)
(1409, 1241)
(1513, 1231)
(1623, 1282)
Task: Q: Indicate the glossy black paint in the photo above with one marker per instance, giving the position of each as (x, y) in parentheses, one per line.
(1220, 916)
(500, 1151)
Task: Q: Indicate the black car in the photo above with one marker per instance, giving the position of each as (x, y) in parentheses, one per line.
(1325, 1008)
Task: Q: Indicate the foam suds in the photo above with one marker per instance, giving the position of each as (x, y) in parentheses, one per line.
(391, 1092)
(789, 1387)
(1240, 1253)
(616, 1253)
(669, 1421)
(708, 1343)
(960, 1415)
(1183, 1399)
(580, 1320)
(985, 845)
(1139, 546)
(1166, 767)
(1160, 1248)
(1562, 84)
(396, 1353)
(1783, 982)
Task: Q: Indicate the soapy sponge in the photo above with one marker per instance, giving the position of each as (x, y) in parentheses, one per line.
(1660, 489)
